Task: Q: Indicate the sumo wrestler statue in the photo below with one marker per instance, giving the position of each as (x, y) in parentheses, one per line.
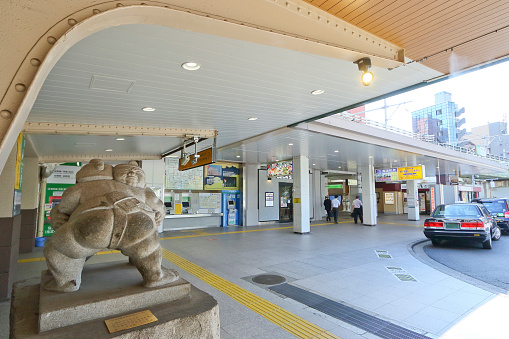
(107, 208)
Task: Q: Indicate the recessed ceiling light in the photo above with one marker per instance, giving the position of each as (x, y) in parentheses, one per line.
(120, 139)
(290, 144)
(339, 166)
(191, 66)
(317, 91)
(395, 160)
(148, 109)
(314, 164)
(336, 151)
(371, 157)
(108, 150)
(238, 156)
(252, 119)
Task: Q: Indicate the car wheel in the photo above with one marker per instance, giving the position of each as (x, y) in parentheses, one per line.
(435, 242)
(496, 234)
(487, 244)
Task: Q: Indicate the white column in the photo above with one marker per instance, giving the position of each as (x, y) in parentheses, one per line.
(301, 195)
(368, 194)
(318, 197)
(412, 199)
(250, 195)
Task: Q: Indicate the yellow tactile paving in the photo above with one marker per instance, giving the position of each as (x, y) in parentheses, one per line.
(298, 326)
(201, 233)
(245, 231)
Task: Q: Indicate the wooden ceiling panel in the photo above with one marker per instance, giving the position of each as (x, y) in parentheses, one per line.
(426, 27)
(472, 54)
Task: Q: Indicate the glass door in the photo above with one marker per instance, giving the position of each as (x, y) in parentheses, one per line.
(285, 202)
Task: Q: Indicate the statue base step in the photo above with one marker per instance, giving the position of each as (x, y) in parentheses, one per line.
(108, 291)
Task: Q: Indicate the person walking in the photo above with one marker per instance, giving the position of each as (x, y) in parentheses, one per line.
(335, 208)
(357, 209)
(328, 207)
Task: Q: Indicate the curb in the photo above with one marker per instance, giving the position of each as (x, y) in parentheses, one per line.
(417, 250)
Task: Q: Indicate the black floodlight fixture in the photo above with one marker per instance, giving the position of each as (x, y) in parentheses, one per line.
(364, 64)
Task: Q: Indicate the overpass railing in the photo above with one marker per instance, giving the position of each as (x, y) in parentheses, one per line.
(427, 138)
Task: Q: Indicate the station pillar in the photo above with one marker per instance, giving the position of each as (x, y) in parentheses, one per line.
(29, 204)
(301, 198)
(368, 193)
(250, 195)
(412, 200)
(10, 223)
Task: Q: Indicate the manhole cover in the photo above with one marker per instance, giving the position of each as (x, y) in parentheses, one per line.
(268, 279)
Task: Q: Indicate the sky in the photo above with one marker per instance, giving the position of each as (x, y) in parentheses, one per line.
(484, 94)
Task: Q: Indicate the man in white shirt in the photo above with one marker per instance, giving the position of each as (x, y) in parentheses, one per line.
(357, 209)
(335, 208)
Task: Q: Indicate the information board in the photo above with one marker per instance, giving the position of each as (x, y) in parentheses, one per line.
(191, 179)
(210, 201)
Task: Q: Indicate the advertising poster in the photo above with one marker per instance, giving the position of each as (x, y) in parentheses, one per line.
(389, 198)
(269, 199)
(191, 179)
(387, 174)
(53, 196)
(221, 176)
(283, 169)
(63, 176)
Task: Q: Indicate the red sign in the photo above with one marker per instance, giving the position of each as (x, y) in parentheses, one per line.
(432, 191)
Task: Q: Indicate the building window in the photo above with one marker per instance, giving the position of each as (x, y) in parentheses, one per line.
(440, 134)
(439, 111)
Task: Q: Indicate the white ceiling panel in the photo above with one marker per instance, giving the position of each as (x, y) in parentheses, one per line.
(110, 76)
(237, 80)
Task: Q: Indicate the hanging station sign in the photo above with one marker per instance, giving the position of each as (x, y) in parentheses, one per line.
(410, 173)
(205, 157)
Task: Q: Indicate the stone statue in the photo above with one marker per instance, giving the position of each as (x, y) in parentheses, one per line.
(107, 208)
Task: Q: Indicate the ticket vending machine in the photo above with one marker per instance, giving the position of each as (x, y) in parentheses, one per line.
(231, 208)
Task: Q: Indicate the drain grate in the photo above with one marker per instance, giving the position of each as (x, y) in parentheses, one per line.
(369, 323)
(383, 254)
(268, 279)
(400, 273)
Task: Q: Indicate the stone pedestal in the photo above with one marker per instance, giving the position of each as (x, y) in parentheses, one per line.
(111, 290)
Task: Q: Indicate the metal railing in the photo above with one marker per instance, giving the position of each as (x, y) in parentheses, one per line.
(427, 138)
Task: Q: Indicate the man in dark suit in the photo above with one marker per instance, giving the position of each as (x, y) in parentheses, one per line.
(328, 207)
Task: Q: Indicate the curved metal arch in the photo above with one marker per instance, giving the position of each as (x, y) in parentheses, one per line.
(291, 25)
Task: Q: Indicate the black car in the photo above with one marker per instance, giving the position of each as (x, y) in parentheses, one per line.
(499, 209)
(469, 221)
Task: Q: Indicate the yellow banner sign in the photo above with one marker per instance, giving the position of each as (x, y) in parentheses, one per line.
(410, 173)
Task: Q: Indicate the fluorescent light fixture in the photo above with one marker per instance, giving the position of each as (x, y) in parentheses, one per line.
(314, 164)
(120, 139)
(191, 66)
(108, 150)
(290, 144)
(252, 119)
(238, 156)
(148, 109)
(317, 92)
(336, 151)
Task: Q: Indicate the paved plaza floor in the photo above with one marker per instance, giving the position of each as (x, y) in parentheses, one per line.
(340, 280)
